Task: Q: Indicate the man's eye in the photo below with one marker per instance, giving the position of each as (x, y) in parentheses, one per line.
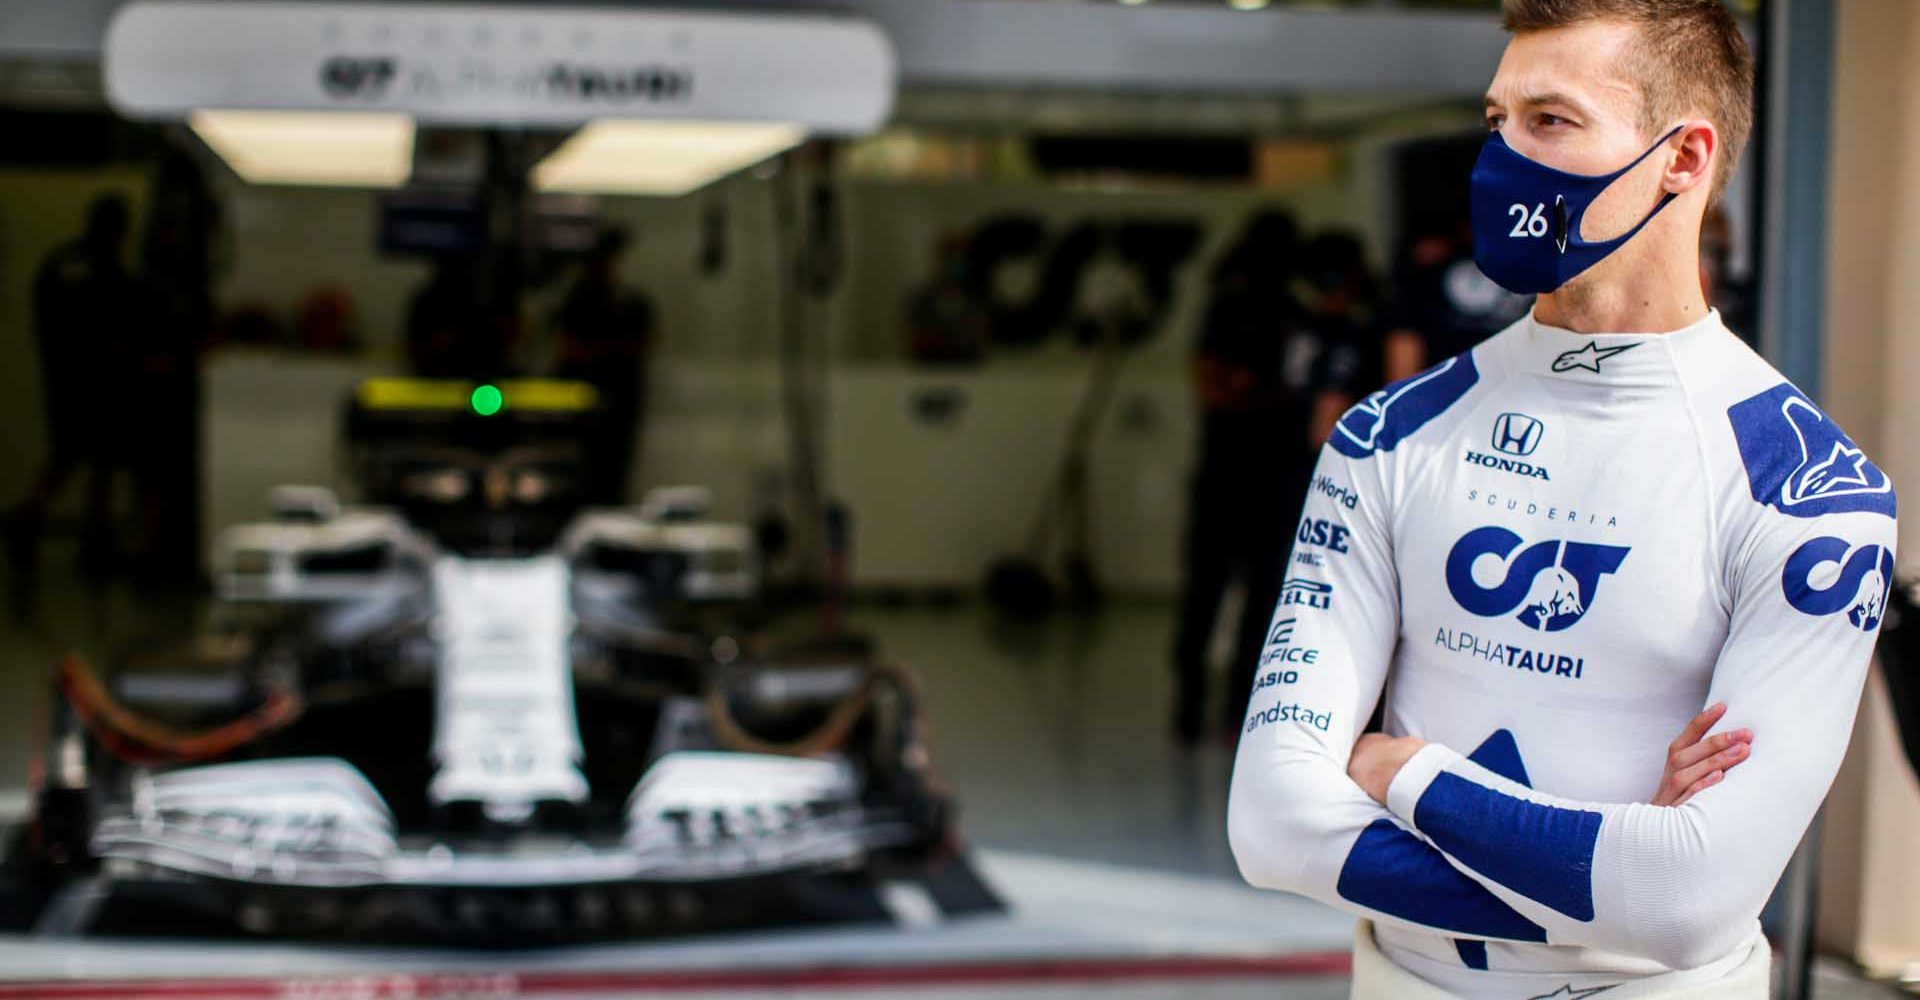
(1495, 121)
(1549, 121)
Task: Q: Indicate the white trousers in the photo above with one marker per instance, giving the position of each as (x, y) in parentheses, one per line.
(1375, 977)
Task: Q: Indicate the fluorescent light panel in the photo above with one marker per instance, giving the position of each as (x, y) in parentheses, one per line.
(323, 148)
(616, 156)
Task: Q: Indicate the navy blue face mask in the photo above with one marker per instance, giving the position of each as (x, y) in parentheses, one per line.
(1526, 218)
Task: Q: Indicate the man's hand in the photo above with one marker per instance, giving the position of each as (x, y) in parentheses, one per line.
(1376, 758)
(1696, 762)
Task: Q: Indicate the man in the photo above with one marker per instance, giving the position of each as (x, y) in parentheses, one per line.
(84, 315)
(1271, 376)
(1442, 305)
(449, 331)
(606, 333)
(178, 262)
(1551, 552)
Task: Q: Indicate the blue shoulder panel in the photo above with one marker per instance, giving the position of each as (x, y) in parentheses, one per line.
(1800, 462)
(1389, 416)
(1544, 853)
(1397, 873)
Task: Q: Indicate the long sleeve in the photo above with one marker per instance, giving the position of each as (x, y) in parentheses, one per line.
(1681, 885)
(1295, 820)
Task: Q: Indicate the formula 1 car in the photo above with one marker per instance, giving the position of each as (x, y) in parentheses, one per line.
(474, 711)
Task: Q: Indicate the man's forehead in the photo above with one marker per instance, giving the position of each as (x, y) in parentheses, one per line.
(1583, 65)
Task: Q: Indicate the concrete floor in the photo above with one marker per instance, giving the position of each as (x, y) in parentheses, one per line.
(1053, 736)
(1056, 739)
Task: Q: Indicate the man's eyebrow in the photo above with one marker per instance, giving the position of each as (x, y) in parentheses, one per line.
(1556, 98)
(1548, 98)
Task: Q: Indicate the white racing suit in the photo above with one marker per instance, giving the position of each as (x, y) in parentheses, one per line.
(1547, 555)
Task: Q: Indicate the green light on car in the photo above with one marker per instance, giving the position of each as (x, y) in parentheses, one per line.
(487, 400)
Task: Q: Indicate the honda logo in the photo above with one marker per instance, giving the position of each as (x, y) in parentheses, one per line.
(1517, 434)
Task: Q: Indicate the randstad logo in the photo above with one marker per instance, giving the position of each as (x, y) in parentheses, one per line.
(1859, 586)
(1551, 583)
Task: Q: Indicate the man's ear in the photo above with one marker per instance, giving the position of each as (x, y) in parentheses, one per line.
(1697, 145)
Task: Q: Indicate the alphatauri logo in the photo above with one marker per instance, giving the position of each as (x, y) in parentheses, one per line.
(1550, 584)
(1853, 579)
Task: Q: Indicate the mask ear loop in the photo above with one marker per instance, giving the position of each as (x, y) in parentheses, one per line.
(1569, 232)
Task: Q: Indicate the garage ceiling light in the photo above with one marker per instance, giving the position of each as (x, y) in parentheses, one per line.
(327, 148)
(659, 157)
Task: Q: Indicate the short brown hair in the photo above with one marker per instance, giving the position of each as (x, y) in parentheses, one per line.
(1691, 59)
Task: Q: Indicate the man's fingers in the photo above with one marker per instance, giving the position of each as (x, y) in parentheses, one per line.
(1717, 743)
(1697, 787)
(1698, 727)
(1725, 760)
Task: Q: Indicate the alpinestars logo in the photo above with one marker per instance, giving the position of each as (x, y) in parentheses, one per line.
(1800, 463)
(1551, 584)
(1840, 470)
(1589, 356)
(1567, 992)
(1859, 587)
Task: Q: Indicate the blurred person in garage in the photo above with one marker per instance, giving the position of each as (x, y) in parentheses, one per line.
(1270, 375)
(84, 311)
(447, 323)
(1613, 579)
(1442, 304)
(605, 332)
(179, 255)
(1341, 295)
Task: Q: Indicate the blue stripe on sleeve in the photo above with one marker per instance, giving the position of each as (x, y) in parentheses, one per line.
(1544, 853)
(1499, 753)
(1396, 873)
